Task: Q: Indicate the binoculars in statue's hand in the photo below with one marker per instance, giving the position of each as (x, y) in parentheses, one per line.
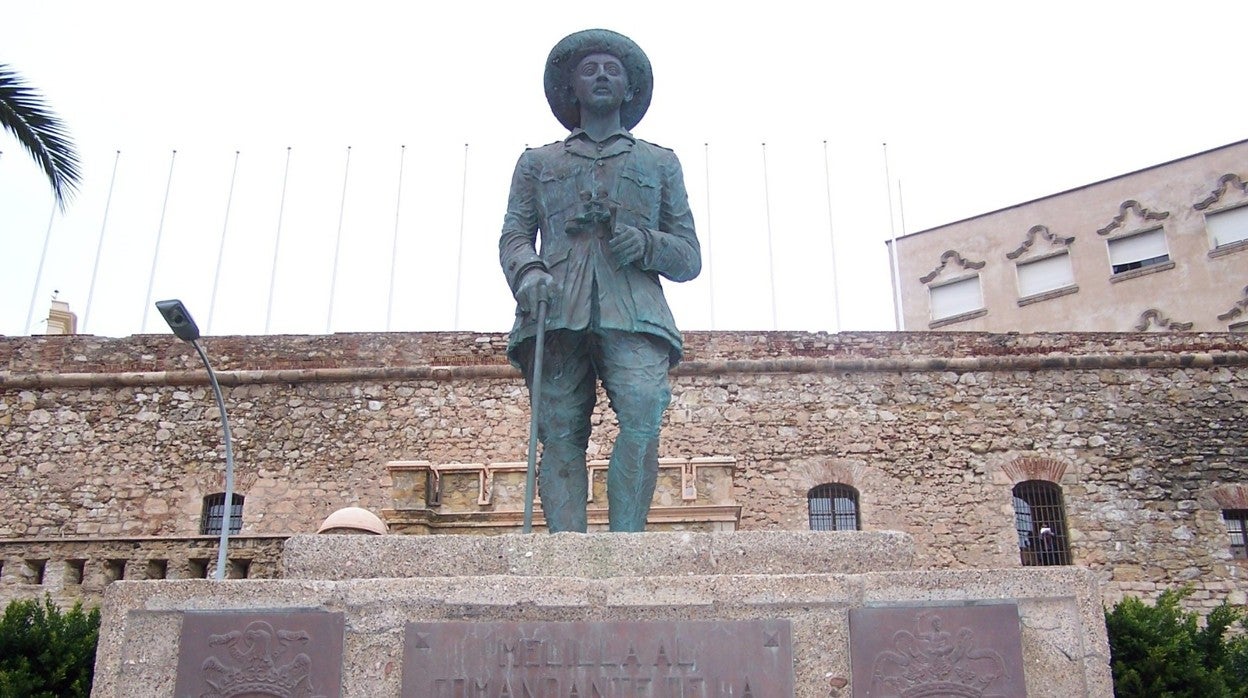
(595, 211)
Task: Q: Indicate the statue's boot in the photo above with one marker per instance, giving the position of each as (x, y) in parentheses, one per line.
(563, 483)
(631, 478)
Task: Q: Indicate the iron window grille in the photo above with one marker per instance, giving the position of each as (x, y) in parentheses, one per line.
(214, 511)
(1040, 519)
(1237, 529)
(833, 507)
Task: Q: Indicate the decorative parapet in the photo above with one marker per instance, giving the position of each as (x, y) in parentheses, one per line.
(692, 493)
(79, 568)
(1153, 317)
(1229, 179)
(944, 260)
(1040, 231)
(1128, 206)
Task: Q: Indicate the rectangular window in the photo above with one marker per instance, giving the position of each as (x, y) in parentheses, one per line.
(1046, 274)
(1237, 529)
(214, 512)
(956, 297)
(833, 507)
(1138, 251)
(1228, 227)
(1040, 518)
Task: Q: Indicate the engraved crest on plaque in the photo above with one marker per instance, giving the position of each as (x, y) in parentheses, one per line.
(955, 652)
(248, 655)
(252, 663)
(931, 661)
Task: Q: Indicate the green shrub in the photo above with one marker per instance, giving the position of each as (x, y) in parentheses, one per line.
(1161, 651)
(47, 653)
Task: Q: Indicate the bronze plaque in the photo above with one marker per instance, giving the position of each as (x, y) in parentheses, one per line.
(231, 655)
(600, 659)
(967, 650)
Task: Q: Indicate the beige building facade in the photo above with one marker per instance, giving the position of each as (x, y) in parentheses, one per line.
(1160, 249)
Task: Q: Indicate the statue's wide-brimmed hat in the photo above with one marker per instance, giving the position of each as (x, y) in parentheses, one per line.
(569, 52)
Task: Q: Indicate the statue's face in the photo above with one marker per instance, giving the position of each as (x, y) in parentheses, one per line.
(600, 83)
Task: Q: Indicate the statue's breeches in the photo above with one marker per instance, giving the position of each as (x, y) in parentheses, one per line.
(633, 369)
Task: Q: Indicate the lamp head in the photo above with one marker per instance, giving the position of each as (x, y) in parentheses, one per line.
(179, 319)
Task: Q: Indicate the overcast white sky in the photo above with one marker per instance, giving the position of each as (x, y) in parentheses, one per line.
(982, 104)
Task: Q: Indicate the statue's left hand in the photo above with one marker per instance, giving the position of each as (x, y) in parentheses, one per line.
(628, 244)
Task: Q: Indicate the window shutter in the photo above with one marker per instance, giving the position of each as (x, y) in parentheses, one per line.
(1045, 275)
(1228, 226)
(956, 298)
(1137, 248)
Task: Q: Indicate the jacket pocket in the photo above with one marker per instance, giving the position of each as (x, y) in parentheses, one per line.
(638, 192)
(557, 191)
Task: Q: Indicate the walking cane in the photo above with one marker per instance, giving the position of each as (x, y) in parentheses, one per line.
(535, 393)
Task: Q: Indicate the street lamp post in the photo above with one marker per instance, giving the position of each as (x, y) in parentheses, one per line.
(184, 328)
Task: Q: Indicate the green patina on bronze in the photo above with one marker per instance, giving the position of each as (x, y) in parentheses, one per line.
(592, 222)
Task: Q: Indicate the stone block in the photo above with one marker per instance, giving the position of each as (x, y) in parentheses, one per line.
(664, 578)
(596, 555)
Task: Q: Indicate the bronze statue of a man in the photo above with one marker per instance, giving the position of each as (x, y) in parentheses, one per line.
(612, 216)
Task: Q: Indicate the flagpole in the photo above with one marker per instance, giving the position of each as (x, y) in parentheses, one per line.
(225, 226)
(34, 292)
(771, 258)
(277, 242)
(394, 243)
(333, 277)
(459, 261)
(99, 248)
(160, 230)
(836, 289)
(892, 247)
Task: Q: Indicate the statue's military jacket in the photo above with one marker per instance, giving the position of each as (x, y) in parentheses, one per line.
(644, 183)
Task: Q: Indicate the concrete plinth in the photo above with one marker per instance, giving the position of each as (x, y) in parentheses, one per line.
(810, 580)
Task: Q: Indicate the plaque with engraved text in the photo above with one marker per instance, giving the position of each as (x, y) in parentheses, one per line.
(246, 654)
(967, 651)
(599, 659)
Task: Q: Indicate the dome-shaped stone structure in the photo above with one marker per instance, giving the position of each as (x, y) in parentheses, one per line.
(351, 520)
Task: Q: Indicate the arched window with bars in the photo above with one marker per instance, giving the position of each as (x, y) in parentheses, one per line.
(833, 507)
(1040, 518)
(214, 512)
(1237, 530)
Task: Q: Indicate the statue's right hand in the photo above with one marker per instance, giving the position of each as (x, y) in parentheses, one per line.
(536, 285)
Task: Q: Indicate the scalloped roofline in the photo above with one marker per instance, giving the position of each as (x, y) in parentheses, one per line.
(1072, 189)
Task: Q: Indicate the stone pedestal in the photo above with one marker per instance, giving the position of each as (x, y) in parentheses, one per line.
(807, 587)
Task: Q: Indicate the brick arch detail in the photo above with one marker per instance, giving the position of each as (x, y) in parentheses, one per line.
(807, 476)
(1231, 496)
(1035, 468)
(212, 483)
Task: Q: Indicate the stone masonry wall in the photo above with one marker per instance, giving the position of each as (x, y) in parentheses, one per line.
(1145, 433)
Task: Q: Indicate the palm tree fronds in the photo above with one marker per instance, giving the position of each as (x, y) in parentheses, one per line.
(24, 114)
